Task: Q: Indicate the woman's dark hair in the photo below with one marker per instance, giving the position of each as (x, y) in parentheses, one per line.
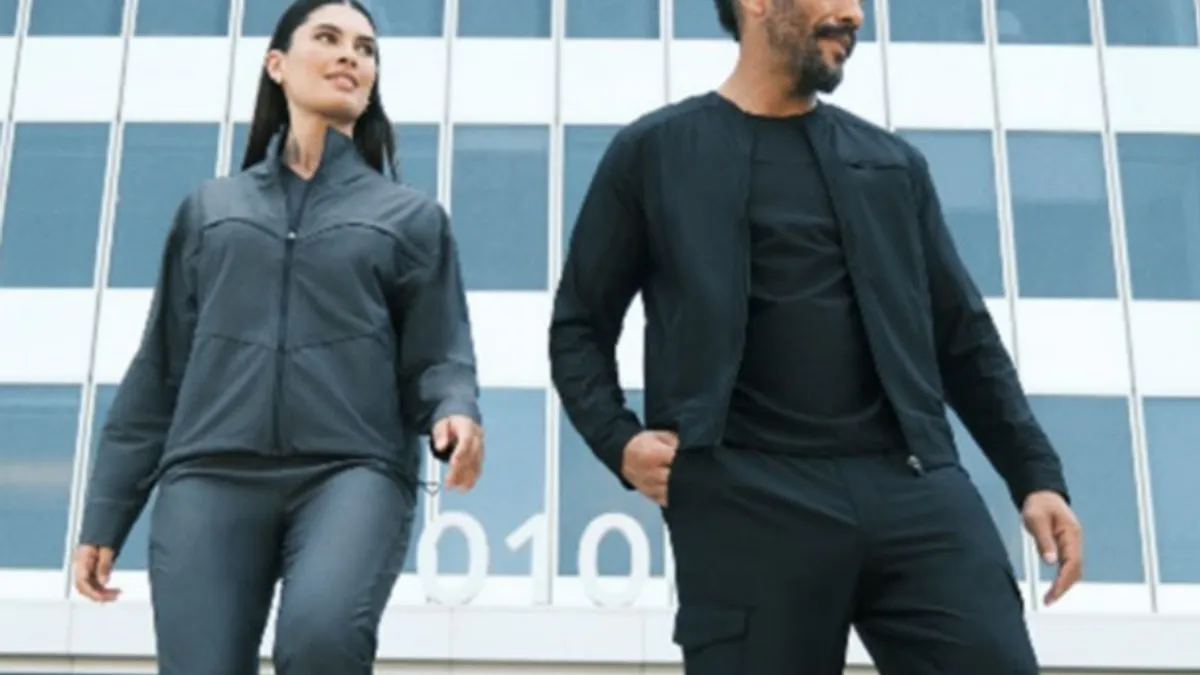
(373, 134)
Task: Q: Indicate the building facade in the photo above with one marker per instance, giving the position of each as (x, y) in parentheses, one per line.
(1064, 136)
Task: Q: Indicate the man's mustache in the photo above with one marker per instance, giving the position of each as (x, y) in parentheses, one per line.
(838, 31)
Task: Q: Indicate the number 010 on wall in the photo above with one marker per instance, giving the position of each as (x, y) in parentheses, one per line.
(534, 535)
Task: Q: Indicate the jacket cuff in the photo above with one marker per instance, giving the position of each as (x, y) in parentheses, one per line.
(107, 523)
(612, 453)
(1039, 479)
(466, 407)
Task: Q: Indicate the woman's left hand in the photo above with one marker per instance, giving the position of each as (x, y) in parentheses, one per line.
(466, 462)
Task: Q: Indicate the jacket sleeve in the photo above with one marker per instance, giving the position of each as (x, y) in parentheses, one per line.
(132, 437)
(437, 370)
(980, 381)
(604, 269)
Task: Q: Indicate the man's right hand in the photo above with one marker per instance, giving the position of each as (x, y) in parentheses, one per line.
(93, 568)
(647, 463)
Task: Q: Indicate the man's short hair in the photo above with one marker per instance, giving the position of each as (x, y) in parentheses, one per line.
(727, 14)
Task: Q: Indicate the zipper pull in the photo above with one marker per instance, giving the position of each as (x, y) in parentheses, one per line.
(914, 463)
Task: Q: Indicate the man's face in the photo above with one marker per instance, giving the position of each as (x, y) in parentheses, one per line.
(813, 38)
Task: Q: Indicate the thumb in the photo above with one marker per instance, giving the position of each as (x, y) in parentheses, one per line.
(441, 434)
(104, 565)
(1043, 536)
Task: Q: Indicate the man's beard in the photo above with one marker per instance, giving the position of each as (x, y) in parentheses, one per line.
(812, 73)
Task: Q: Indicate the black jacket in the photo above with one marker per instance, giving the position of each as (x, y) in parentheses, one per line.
(338, 331)
(666, 215)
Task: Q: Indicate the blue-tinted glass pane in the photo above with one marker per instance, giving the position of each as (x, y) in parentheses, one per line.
(72, 17)
(1092, 435)
(1060, 214)
(1043, 22)
(1172, 432)
(8, 16)
(48, 240)
(500, 192)
(407, 18)
(37, 461)
(393, 18)
(510, 18)
(1150, 22)
(583, 148)
(136, 552)
(994, 491)
(417, 154)
(588, 490)
(515, 485)
(182, 17)
(1159, 175)
(697, 19)
(237, 150)
(936, 20)
(965, 177)
(612, 18)
(148, 196)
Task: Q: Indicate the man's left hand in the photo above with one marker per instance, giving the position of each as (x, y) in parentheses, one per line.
(466, 462)
(1059, 538)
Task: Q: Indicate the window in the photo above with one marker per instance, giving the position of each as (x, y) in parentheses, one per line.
(1064, 22)
(417, 155)
(182, 17)
(1060, 214)
(1093, 437)
(148, 196)
(510, 18)
(8, 17)
(514, 490)
(237, 149)
(965, 178)
(89, 18)
(136, 551)
(697, 19)
(47, 240)
(1172, 427)
(583, 148)
(37, 461)
(612, 18)
(936, 20)
(500, 196)
(1159, 175)
(393, 18)
(588, 490)
(1166, 23)
(994, 492)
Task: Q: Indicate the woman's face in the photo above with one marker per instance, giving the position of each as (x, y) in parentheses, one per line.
(330, 68)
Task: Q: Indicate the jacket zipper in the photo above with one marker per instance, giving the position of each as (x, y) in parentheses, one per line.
(289, 247)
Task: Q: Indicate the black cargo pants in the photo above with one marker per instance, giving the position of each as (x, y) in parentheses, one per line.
(223, 532)
(778, 556)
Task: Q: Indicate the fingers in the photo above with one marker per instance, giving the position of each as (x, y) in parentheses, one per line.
(1069, 542)
(441, 434)
(93, 570)
(1040, 529)
(466, 464)
(656, 487)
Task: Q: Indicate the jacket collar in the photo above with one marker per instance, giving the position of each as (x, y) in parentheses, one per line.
(340, 158)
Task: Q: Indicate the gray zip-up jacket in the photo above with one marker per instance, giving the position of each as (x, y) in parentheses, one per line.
(338, 330)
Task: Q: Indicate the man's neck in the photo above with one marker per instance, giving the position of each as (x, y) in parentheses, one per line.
(758, 91)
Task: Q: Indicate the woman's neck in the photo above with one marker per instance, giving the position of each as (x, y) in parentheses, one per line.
(305, 144)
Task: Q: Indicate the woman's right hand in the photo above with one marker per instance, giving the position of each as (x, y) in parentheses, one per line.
(93, 569)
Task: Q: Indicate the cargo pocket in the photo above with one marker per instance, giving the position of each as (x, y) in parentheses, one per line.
(711, 638)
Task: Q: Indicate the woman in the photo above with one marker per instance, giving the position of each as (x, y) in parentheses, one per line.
(309, 323)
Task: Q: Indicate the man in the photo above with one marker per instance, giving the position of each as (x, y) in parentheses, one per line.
(807, 321)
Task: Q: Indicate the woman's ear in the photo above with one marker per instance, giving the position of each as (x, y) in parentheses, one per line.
(273, 64)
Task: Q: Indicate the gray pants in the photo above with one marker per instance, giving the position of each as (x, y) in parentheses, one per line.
(222, 534)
